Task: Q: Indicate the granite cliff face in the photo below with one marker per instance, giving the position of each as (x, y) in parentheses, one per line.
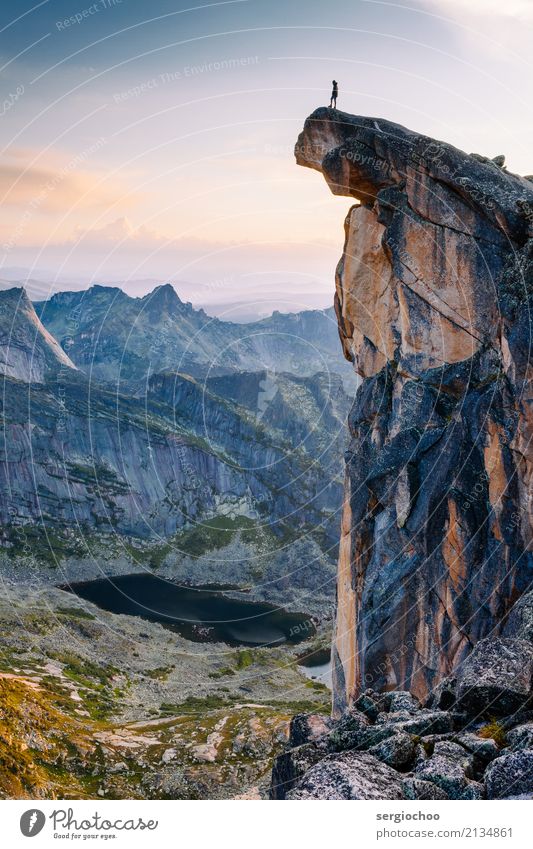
(433, 298)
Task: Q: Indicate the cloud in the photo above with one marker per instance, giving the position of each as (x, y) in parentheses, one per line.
(56, 184)
(120, 230)
(521, 9)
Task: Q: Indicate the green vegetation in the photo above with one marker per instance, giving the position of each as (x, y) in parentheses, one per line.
(44, 544)
(211, 535)
(75, 612)
(245, 658)
(317, 685)
(83, 671)
(222, 673)
(160, 673)
(494, 730)
(193, 704)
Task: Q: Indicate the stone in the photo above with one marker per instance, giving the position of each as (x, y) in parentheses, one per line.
(496, 678)
(367, 705)
(483, 751)
(447, 773)
(422, 723)
(308, 727)
(417, 788)
(397, 751)
(443, 695)
(521, 737)
(510, 775)
(402, 701)
(453, 751)
(291, 765)
(520, 621)
(349, 731)
(168, 755)
(474, 791)
(363, 739)
(349, 775)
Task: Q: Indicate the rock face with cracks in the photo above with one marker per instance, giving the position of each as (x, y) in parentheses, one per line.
(433, 298)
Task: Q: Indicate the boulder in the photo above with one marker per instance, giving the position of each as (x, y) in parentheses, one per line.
(520, 621)
(308, 727)
(292, 765)
(349, 731)
(510, 775)
(521, 737)
(423, 722)
(496, 677)
(455, 752)
(474, 791)
(397, 751)
(401, 700)
(368, 705)
(446, 773)
(443, 695)
(483, 751)
(349, 775)
(417, 788)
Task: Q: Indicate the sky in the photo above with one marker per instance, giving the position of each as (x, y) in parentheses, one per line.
(150, 142)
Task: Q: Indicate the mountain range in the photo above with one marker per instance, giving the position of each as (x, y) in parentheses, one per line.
(143, 417)
(113, 336)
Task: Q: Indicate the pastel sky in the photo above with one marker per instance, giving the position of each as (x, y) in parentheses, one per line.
(144, 142)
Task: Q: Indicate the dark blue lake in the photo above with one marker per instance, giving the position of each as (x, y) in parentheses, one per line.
(201, 615)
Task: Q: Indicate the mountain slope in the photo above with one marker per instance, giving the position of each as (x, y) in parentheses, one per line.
(75, 453)
(28, 352)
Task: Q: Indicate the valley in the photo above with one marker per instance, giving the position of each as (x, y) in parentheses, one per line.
(169, 534)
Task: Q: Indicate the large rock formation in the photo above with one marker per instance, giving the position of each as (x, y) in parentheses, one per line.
(433, 298)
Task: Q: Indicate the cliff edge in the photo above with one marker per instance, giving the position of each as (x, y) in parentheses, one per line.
(433, 298)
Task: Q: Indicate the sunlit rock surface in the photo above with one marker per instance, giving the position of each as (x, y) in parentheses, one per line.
(433, 298)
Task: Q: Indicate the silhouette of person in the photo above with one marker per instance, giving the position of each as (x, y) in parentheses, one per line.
(334, 94)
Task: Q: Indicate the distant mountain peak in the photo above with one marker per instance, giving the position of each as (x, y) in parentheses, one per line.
(164, 291)
(16, 294)
(163, 298)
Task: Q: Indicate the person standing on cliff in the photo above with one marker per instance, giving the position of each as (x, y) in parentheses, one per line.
(334, 94)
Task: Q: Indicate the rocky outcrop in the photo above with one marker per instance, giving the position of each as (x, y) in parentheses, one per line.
(27, 350)
(388, 746)
(433, 297)
(499, 673)
(352, 775)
